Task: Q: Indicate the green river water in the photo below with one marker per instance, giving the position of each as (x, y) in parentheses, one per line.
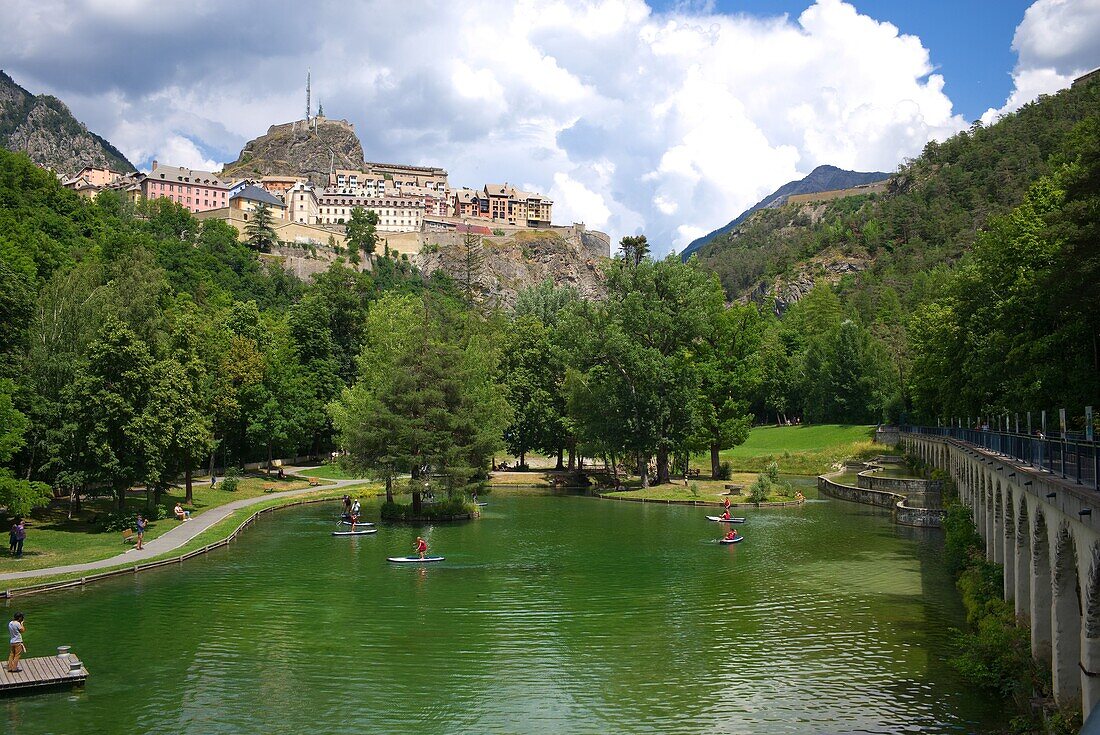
(552, 614)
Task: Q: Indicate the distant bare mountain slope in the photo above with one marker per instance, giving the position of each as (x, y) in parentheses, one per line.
(42, 127)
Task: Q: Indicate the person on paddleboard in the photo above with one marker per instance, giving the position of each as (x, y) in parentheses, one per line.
(726, 504)
(347, 506)
(726, 514)
(731, 535)
(421, 546)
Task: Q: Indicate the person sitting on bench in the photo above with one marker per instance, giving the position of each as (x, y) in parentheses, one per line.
(181, 514)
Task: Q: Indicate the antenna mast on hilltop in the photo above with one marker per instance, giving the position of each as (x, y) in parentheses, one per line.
(308, 71)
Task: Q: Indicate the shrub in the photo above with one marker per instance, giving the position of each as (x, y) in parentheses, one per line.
(694, 489)
(759, 489)
(442, 510)
(231, 479)
(961, 541)
(124, 519)
(498, 232)
(997, 656)
(725, 471)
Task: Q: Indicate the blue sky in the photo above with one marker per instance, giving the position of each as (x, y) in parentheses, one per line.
(667, 117)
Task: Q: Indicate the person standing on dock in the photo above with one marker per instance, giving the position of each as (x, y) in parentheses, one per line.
(15, 634)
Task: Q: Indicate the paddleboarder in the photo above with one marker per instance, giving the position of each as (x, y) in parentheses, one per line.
(421, 546)
(354, 513)
(731, 535)
(726, 504)
(726, 514)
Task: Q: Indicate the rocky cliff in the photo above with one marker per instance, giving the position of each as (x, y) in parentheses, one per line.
(506, 264)
(42, 127)
(300, 149)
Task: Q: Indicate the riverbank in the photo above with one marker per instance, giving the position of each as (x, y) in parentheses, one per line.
(711, 492)
(95, 531)
(214, 536)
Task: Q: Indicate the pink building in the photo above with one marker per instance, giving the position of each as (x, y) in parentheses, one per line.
(196, 191)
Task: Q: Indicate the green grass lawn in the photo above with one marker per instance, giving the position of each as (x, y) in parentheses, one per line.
(798, 450)
(330, 472)
(54, 539)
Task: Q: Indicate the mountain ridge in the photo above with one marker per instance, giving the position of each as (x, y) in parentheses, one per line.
(44, 128)
(822, 178)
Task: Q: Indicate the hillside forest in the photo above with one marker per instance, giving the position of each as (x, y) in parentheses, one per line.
(980, 288)
(140, 346)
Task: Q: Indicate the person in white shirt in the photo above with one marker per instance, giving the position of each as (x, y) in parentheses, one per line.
(15, 634)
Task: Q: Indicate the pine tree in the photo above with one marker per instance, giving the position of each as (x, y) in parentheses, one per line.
(260, 230)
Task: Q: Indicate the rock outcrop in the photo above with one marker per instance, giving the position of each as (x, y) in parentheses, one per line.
(826, 267)
(300, 148)
(42, 127)
(504, 265)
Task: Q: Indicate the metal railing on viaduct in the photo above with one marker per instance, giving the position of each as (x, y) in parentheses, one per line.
(1072, 458)
(1035, 503)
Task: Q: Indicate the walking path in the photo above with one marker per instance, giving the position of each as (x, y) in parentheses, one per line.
(179, 535)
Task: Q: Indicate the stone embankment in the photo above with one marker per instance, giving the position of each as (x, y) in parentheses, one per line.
(913, 501)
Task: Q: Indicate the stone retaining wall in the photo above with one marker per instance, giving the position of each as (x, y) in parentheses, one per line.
(921, 493)
(904, 514)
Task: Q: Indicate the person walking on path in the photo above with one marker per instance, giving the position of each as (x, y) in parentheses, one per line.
(15, 636)
(140, 531)
(19, 535)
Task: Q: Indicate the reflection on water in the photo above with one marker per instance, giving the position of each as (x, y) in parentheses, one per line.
(551, 615)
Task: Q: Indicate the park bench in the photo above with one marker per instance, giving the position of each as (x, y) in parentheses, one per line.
(127, 535)
(734, 489)
(693, 472)
(314, 482)
(270, 489)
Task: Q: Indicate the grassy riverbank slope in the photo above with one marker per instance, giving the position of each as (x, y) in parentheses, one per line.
(54, 539)
(221, 530)
(798, 450)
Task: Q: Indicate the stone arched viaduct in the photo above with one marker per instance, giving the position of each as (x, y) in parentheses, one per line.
(1044, 531)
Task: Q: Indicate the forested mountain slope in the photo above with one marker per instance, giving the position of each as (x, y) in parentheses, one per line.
(822, 178)
(931, 214)
(966, 284)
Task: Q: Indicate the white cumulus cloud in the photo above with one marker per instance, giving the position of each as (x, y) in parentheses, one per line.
(1057, 41)
(669, 123)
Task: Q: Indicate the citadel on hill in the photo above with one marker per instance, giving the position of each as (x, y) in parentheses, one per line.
(311, 173)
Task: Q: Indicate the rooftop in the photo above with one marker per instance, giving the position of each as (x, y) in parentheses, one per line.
(184, 175)
(256, 194)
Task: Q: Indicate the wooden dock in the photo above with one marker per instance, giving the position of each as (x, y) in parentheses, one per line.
(45, 672)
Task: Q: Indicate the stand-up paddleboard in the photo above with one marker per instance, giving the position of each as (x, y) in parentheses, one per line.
(482, 505)
(364, 532)
(737, 540)
(360, 523)
(413, 559)
(720, 519)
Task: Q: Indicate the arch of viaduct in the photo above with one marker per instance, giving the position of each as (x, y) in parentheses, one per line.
(1043, 530)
